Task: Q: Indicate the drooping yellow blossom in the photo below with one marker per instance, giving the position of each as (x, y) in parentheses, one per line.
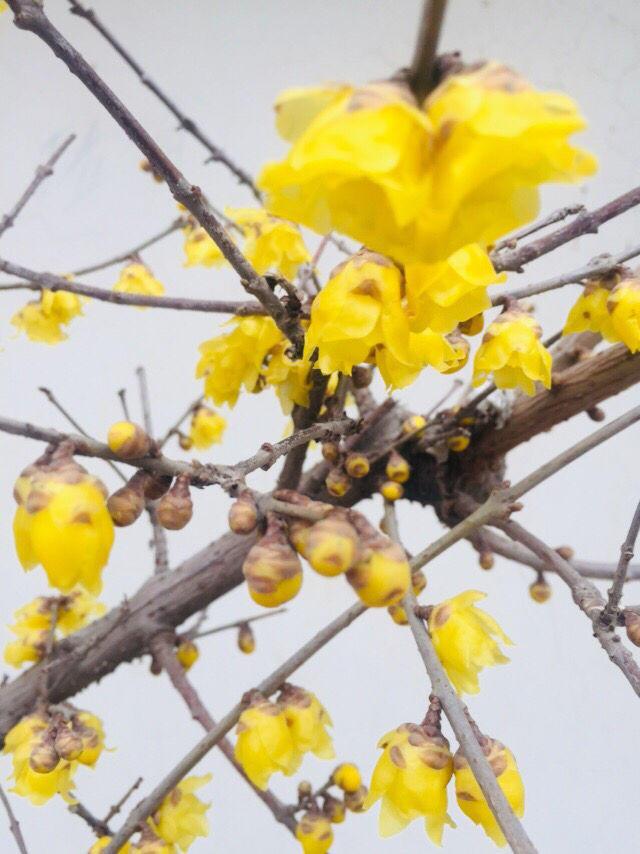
(89, 728)
(445, 293)
(314, 833)
(272, 245)
(465, 639)
(307, 720)
(411, 777)
(589, 312)
(288, 377)
(272, 568)
(100, 844)
(469, 795)
(33, 623)
(381, 575)
(200, 249)
(264, 744)
(38, 787)
(62, 522)
(464, 169)
(511, 350)
(207, 428)
(624, 308)
(43, 320)
(137, 279)
(180, 818)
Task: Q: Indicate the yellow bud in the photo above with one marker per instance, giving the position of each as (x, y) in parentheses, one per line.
(354, 801)
(632, 625)
(414, 424)
(391, 490)
(337, 482)
(331, 452)
(304, 789)
(272, 569)
(347, 777)
(185, 442)
(357, 465)
(127, 503)
(458, 443)
(418, 581)
(398, 469)
(331, 545)
(175, 508)
(334, 809)
(68, 745)
(44, 758)
(381, 576)
(243, 514)
(128, 440)
(246, 639)
(486, 560)
(398, 615)
(539, 590)
(187, 654)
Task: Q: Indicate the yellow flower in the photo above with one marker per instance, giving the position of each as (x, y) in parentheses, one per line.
(442, 294)
(589, 313)
(100, 844)
(271, 244)
(464, 638)
(411, 777)
(347, 777)
(231, 361)
(137, 279)
(3, 6)
(207, 428)
(469, 795)
(264, 743)
(307, 720)
(512, 351)
(187, 654)
(296, 108)
(272, 568)
(200, 249)
(314, 833)
(62, 523)
(288, 377)
(180, 818)
(89, 728)
(624, 307)
(42, 320)
(33, 624)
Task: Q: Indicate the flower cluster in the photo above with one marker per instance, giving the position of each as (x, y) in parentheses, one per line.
(274, 736)
(44, 319)
(44, 617)
(46, 750)
(62, 522)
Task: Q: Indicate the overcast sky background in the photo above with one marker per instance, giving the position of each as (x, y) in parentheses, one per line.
(567, 714)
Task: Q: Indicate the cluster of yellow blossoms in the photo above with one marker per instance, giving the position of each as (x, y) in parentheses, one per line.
(175, 825)
(62, 522)
(46, 750)
(314, 829)
(414, 770)
(611, 307)
(40, 620)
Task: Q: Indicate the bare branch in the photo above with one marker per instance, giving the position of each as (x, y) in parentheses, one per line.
(234, 625)
(115, 809)
(511, 240)
(42, 172)
(97, 825)
(176, 424)
(610, 611)
(421, 70)
(14, 825)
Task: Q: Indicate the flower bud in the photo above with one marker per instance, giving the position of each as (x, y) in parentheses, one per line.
(272, 568)
(381, 576)
(473, 325)
(632, 625)
(246, 639)
(243, 514)
(347, 777)
(185, 442)
(337, 482)
(354, 801)
(414, 424)
(187, 654)
(128, 440)
(331, 545)
(361, 376)
(391, 491)
(397, 469)
(418, 581)
(539, 590)
(565, 552)
(357, 465)
(331, 452)
(398, 614)
(486, 560)
(175, 509)
(596, 414)
(68, 744)
(334, 809)
(44, 757)
(304, 789)
(314, 833)
(458, 443)
(127, 503)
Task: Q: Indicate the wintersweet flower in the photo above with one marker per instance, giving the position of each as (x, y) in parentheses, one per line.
(589, 313)
(100, 844)
(443, 294)
(200, 249)
(464, 638)
(296, 108)
(272, 568)
(307, 720)
(207, 428)
(264, 744)
(3, 6)
(288, 377)
(470, 798)
(137, 279)
(180, 818)
(411, 778)
(624, 308)
(43, 320)
(62, 522)
(381, 575)
(91, 732)
(38, 787)
(314, 833)
(511, 350)
(272, 245)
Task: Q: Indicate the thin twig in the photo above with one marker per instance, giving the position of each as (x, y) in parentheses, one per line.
(97, 825)
(178, 423)
(267, 687)
(14, 824)
(559, 215)
(42, 172)
(454, 710)
(421, 70)
(115, 809)
(122, 394)
(610, 611)
(176, 225)
(234, 625)
(215, 152)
